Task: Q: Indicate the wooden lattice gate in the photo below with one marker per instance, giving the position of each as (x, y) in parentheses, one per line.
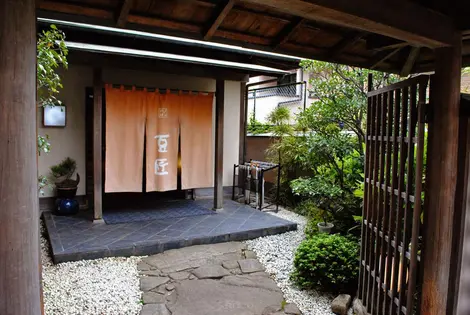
(390, 273)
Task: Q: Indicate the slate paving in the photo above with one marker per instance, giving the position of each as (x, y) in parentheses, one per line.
(75, 238)
(223, 278)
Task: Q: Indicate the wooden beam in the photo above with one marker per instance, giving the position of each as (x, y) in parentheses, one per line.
(76, 9)
(97, 145)
(382, 58)
(287, 32)
(219, 18)
(20, 289)
(404, 20)
(347, 41)
(410, 61)
(121, 18)
(439, 259)
(219, 145)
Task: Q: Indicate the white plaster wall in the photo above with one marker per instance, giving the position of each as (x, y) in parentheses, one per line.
(70, 141)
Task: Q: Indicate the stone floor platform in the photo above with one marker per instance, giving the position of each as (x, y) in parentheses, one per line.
(75, 238)
(216, 279)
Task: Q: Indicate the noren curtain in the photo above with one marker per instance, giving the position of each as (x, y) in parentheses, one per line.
(164, 118)
(162, 141)
(125, 127)
(196, 140)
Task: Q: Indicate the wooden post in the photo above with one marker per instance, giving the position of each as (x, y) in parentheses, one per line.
(97, 145)
(438, 257)
(20, 289)
(219, 145)
(242, 131)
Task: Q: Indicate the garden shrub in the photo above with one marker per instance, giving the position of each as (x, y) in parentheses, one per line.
(327, 262)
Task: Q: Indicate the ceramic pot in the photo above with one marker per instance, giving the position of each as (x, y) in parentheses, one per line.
(325, 228)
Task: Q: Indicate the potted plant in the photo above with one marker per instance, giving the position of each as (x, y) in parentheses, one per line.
(322, 193)
(62, 174)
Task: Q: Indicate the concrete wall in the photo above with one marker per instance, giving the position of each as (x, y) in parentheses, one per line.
(70, 141)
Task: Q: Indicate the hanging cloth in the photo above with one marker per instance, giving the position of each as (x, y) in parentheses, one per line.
(125, 129)
(196, 140)
(162, 130)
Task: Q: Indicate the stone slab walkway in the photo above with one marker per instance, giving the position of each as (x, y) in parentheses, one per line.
(216, 279)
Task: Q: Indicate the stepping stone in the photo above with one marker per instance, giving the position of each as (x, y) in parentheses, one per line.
(204, 297)
(154, 309)
(230, 264)
(153, 298)
(250, 265)
(291, 309)
(251, 281)
(178, 276)
(149, 283)
(170, 287)
(152, 273)
(340, 304)
(272, 309)
(192, 277)
(142, 266)
(211, 271)
(160, 290)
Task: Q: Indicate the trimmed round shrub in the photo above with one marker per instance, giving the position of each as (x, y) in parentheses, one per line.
(327, 262)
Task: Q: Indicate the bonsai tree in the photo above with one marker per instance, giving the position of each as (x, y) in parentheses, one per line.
(321, 191)
(63, 173)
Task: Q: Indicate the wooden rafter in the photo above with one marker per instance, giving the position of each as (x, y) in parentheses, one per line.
(219, 18)
(347, 41)
(404, 20)
(410, 61)
(383, 57)
(121, 17)
(287, 32)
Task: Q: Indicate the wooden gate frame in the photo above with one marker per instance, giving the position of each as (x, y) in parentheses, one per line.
(393, 181)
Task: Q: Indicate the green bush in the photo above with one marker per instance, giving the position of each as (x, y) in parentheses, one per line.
(327, 262)
(309, 209)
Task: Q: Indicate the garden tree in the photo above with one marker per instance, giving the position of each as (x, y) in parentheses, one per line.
(341, 95)
(51, 54)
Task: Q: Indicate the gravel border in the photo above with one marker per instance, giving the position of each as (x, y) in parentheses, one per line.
(90, 287)
(276, 253)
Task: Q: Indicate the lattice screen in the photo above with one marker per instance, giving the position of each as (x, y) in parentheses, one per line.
(389, 279)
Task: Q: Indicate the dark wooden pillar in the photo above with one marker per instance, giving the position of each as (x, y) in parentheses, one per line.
(243, 110)
(438, 257)
(97, 145)
(219, 145)
(20, 289)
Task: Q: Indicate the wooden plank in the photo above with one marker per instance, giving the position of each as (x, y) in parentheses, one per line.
(417, 206)
(380, 207)
(373, 210)
(219, 145)
(97, 145)
(381, 58)
(76, 9)
(408, 190)
(395, 101)
(437, 297)
(386, 241)
(219, 18)
(164, 23)
(399, 85)
(347, 41)
(365, 215)
(123, 12)
(404, 20)
(20, 288)
(396, 286)
(287, 32)
(410, 61)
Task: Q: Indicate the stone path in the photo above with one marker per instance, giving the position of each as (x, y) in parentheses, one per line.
(217, 279)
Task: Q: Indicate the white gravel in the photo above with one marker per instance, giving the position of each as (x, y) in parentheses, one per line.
(276, 253)
(108, 286)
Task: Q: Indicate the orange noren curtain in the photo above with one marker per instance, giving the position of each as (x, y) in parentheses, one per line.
(125, 127)
(196, 141)
(162, 141)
